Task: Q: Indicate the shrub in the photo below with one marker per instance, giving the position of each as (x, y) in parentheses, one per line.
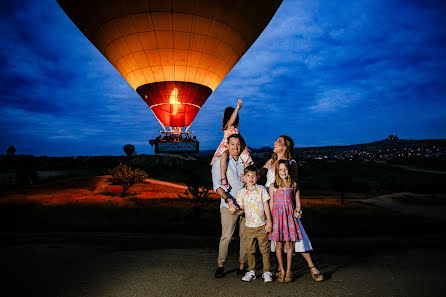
(126, 176)
(199, 196)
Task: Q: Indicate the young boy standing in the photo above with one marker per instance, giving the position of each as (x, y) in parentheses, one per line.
(254, 200)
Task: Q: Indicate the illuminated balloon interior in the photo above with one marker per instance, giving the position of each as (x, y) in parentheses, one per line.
(173, 53)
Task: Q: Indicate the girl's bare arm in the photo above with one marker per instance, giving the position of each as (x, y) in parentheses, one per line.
(234, 115)
(271, 196)
(298, 205)
(269, 223)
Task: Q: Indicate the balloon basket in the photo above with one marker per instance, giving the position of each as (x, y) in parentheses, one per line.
(175, 142)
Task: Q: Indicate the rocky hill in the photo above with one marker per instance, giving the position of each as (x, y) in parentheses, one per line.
(390, 148)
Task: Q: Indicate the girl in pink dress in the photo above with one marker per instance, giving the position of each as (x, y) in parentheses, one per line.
(287, 228)
(230, 126)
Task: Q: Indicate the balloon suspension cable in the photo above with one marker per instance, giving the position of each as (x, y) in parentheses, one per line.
(164, 128)
(187, 128)
(177, 131)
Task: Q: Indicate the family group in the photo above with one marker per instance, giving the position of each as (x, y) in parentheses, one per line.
(269, 215)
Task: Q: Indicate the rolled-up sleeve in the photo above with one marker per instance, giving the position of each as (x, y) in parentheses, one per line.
(239, 199)
(216, 176)
(265, 195)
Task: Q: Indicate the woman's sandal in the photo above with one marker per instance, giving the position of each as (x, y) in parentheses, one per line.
(316, 276)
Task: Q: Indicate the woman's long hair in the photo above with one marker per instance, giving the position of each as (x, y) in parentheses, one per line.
(289, 152)
(289, 183)
(227, 115)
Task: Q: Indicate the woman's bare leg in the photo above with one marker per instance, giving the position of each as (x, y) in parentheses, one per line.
(307, 258)
(310, 263)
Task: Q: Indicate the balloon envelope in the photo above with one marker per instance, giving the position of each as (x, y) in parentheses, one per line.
(173, 53)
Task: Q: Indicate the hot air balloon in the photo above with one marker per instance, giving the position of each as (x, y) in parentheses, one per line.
(173, 53)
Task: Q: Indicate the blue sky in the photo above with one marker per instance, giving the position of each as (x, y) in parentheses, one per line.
(322, 72)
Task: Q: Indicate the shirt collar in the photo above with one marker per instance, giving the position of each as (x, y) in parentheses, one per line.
(236, 161)
(245, 190)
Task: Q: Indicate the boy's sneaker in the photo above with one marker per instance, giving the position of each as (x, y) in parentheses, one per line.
(249, 276)
(267, 277)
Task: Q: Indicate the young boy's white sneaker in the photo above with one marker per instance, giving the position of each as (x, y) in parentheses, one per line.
(249, 276)
(267, 277)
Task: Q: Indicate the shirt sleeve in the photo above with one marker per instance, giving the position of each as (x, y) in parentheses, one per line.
(265, 195)
(240, 199)
(216, 176)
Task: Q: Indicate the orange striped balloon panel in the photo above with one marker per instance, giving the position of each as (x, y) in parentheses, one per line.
(152, 41)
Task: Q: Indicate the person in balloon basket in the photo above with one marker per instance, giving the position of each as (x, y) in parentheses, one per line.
(228, 205)
(230, 126)
(253, 199)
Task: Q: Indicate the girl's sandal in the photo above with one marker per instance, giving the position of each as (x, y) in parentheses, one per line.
(316, 276)
(224, 182)
(288, 278)
(280, 277)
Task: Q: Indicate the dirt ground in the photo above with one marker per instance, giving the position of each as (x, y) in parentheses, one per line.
(425, 205)
(105, 264)
(91, 190)
(406, 263)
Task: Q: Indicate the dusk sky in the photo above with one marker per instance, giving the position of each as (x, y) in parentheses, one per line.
(323, 72)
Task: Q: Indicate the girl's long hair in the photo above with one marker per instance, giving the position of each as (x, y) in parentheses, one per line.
(279, 183)
(227, 115)
(289, 152)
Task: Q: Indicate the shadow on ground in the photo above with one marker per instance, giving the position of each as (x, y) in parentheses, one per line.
(123, 264)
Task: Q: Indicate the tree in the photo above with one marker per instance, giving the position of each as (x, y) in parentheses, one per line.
(126, 176)
(10, 151)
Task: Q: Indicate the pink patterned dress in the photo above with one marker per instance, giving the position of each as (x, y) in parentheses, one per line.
(285, 224)
(223, 147)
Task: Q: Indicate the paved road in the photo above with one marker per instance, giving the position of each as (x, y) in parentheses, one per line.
(98, 264)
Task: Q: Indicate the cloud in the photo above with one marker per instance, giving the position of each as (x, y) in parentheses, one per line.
(323, 72)
(334, 100)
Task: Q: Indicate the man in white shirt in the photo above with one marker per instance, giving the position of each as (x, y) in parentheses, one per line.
(228, 194)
